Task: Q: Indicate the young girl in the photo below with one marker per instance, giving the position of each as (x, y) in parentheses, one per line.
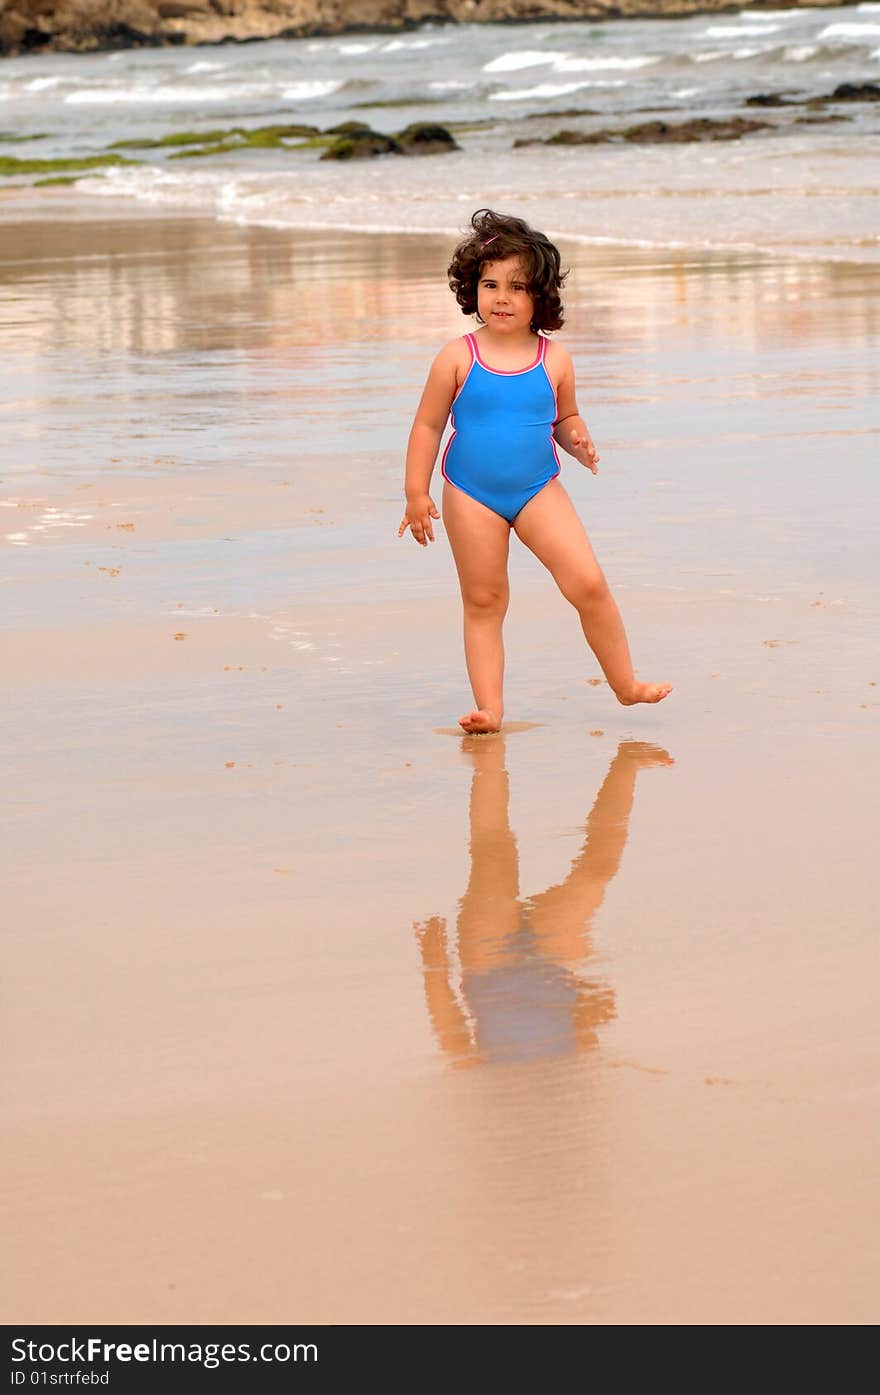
(511, 394)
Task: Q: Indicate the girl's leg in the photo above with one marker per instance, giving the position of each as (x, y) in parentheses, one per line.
(550, 527)
(480, 542)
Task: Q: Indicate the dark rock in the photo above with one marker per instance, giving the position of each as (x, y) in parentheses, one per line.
(577, 138)
(856, 92)
(362, 145)
(768, 99)
(820, 120)
(424, 138)
(347, 128)
(700, 128)
(564, 115)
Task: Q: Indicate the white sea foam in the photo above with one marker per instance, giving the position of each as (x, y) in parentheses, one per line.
(204, 67)
(800, 53)
(393, 45)
(525, 58)
(741, 31)
(548, 89)
(710, 56)
(174, 95)
(584, 65)
(357, 47)
(850, 31)
(43, 84)
(746, 52)
(308, 91)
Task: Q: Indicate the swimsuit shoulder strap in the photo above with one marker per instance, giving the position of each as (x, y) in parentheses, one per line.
(475, 357)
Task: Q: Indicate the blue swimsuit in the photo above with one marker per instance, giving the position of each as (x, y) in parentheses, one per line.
(501, 450)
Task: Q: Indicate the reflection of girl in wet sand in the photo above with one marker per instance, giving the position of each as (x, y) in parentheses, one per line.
(522, 992)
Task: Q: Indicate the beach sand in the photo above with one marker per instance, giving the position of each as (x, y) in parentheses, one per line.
(294, 1032)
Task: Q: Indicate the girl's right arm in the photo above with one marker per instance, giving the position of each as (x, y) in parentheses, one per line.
(424, 441)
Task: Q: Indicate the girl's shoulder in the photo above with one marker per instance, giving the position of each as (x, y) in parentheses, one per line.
(454, 358)
(556, 355)
(456, 350)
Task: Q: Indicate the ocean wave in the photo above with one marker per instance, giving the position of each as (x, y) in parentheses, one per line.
(394, 45)
(524, 58)
(43, 84)
(800, 53)
(204, 67)
(850, 31)
(743, 31)
(584, 65)
(363, 201)
(164, 96)
(309, 91)
(550, 89)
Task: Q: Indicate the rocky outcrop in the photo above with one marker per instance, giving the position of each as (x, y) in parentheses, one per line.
(80, 25)
(700, 128)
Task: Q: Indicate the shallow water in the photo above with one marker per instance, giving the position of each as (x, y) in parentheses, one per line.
(798, 189)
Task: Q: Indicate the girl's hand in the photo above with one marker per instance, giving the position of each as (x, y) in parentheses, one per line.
(583, 449)
(417, 519)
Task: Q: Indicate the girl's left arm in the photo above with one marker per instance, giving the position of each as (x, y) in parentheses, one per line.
(570, 430)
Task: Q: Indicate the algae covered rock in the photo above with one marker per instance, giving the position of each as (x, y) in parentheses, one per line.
(699, 128)
(362, 144)
(426, 138)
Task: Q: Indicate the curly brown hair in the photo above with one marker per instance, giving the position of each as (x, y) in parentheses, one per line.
(495, 237)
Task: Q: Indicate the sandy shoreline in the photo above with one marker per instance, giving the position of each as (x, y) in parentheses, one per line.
(240, 829)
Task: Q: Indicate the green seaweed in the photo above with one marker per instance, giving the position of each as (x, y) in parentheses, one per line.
(263, 140)
(10, 138)
(10, 165)
(178, 138)
(56, 179)
(231, 137)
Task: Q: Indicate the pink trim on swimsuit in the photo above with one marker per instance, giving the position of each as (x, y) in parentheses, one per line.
(508, 372)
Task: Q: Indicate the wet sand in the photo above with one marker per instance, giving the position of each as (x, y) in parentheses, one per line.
(318, 1011)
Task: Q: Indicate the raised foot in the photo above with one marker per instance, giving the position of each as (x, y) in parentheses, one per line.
(481, 721)
(644, 692)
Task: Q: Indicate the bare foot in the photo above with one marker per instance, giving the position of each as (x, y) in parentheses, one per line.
(481, 720)
(644, 692)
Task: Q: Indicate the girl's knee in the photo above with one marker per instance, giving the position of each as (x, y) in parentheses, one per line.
(584, 590)
(488, 601)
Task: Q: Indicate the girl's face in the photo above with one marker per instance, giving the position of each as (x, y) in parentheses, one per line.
(503, 299)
